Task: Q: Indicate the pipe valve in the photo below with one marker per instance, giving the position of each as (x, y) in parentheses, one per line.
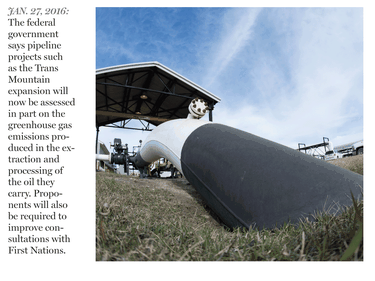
(197, 108)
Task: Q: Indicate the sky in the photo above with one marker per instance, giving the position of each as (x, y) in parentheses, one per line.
(290, 75)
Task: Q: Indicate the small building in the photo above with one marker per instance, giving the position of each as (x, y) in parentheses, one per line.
(104, 165)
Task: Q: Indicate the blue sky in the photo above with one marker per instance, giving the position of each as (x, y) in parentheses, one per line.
(289, 75)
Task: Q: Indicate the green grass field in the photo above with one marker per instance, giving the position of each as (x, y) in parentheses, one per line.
(142, 220)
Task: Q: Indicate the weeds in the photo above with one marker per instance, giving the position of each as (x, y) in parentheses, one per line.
(136, 222)
(354, 163)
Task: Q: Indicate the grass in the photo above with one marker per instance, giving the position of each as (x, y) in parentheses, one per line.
(138, 221)
(354, 163)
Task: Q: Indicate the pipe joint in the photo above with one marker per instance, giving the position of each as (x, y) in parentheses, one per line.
(197, 108)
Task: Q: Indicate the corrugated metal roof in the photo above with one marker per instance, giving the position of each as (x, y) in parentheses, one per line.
(102, 148)
(345, 146)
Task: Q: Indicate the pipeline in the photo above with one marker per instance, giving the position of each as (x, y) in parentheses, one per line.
(245, 179)
(104, 157)
(118, 157)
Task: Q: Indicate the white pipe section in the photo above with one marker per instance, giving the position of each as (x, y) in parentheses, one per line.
(104, 157)
(167, 140)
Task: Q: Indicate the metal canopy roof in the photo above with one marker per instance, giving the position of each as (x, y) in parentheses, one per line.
(145, 91)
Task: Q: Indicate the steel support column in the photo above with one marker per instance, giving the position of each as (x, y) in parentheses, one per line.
(97, 139)
(210, 108)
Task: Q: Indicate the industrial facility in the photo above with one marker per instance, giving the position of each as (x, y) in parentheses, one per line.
(246, 180)
(147, 92)
(326, 151)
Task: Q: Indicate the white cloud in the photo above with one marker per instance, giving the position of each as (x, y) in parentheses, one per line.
(288, 75)
(237, 32)
(320, 96)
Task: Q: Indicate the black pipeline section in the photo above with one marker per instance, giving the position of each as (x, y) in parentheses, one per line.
(247, 180)
(141, 164)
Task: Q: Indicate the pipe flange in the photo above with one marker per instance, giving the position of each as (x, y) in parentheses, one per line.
(198, 108)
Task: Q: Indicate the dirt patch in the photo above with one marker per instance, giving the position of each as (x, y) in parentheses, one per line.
(180, 187)
(182, 192)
